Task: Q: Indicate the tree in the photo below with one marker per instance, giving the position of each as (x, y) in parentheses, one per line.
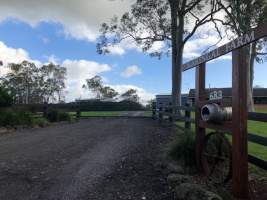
(130, 95)
(242, 17)
(108, 92)
(152, 21)
(53, 81)
(6, 98)
(95, 84)
(32, 84)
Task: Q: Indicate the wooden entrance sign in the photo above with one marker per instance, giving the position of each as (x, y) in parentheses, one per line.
(238, 125)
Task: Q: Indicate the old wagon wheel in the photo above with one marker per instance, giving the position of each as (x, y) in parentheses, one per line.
(216, 158)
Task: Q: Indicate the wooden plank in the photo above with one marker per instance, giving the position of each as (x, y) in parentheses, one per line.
(257, 139)
(239, 120)
(257, 161)
(184, 119)
(200, 131)
(222, 102)
(261, 117)
(239, 42)
(185, 108)
(225, 126)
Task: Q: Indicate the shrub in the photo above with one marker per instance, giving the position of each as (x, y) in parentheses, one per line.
(5, 98)
(15, 118)
(56, 116)
(63, 116)
(42, 122)
(183, 148)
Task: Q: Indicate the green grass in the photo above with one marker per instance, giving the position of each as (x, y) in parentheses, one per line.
(101, 114)
(147, 113)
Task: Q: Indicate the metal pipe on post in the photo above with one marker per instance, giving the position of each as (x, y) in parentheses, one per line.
(214, 113)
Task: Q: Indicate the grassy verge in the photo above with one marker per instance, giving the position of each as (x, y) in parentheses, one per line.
(148, 114)
(101, 114)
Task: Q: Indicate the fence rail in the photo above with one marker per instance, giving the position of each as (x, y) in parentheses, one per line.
(163, 112)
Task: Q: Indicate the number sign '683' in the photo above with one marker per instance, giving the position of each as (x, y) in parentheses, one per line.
(215, 95)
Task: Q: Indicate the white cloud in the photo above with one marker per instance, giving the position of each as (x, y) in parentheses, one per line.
(80, 18)
(12, 55)
(131, 71)
(116, 50)
(77, 72)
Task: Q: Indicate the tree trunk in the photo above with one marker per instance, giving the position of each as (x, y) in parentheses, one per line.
(174, 22)
(249, 61)
(251, 74)
(177, 54)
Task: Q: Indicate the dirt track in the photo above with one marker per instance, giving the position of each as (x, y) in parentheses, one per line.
(94, 159)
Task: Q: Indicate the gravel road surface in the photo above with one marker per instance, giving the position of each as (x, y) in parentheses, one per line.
(93, 159)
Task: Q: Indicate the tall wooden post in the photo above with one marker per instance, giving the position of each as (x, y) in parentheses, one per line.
(239, 128)
(199, 96)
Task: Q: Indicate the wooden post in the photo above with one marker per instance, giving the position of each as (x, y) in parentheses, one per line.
(187, 123)
(154, 110)
(170, 110)
(239, 128)
(199, 96)
(45, 110)
(160, 113)
(78, 114)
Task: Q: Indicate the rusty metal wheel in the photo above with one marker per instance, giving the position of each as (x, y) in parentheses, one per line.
(216, 158)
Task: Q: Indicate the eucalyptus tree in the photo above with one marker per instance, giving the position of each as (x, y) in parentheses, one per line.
(32, 84)
(241, 17)
(172, 22)
(130, 95)
(95, 84)
(108, 92)
(53, 81)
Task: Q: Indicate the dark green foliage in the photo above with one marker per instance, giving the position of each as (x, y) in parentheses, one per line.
(183, 148)
(57, 116)
(15, 118)
(108, 106)
(63, 116)
(5, 98)
(42, 122)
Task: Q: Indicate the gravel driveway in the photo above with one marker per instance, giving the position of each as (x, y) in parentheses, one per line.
(94, 159)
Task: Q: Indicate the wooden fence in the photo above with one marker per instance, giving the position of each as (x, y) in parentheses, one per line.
(165, 114)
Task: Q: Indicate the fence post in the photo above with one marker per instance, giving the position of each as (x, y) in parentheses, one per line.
(78, 114)
(187, 123)
(199, 96)
(160, 114)
(170, 110)
(45, 110)
(154, 107)
(239, 127)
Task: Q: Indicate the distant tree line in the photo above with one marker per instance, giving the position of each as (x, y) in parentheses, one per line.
(28, 84)
(101, 91)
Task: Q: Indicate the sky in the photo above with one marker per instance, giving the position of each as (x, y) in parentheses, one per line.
(65, 32)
